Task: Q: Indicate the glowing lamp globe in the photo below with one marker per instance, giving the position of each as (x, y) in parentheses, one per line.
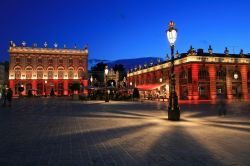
(171, 33)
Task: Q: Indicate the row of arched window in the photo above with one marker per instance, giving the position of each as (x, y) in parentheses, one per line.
(51, 72)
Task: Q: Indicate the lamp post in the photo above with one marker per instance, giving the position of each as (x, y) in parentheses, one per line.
(173, 107)
(106, 71)
(132, 91)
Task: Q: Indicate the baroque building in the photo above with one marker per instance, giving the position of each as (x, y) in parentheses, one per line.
(199, 76)
(40, 70)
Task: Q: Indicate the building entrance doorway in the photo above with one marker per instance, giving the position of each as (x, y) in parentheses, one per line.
(203, 90)
(60, 89)
(183, 92)
(39, 89)
(236, 90)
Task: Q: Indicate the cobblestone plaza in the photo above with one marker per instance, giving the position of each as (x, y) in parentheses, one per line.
(60, 131)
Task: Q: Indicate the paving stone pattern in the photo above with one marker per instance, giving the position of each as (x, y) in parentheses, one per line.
(60, 131)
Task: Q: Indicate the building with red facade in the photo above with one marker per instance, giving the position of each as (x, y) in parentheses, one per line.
(198, 76)
(39, 70)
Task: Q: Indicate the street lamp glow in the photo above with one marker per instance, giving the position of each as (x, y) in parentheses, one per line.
(236, 76)
(91, 79)
(171, 33)
(106, 71)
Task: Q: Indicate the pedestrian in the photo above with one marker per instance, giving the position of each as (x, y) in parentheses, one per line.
(221, 105)
(4, 97)
(9, 96)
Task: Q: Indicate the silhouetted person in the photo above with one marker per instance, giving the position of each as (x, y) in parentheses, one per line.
(9, 96)
(52, 93)
(4, 97)
(222, 110)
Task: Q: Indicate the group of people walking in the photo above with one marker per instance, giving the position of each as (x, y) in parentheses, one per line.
(6, 97)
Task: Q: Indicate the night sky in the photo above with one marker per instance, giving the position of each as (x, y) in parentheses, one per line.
(116, 29)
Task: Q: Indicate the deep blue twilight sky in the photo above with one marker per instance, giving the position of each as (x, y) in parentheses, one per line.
(116, 29)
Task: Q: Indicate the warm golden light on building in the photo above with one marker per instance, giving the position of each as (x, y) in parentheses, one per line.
(198, 76)
(60, 67)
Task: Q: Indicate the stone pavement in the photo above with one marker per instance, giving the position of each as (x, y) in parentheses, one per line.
(59, 131)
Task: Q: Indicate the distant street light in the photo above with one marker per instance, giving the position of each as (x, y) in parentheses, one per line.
(106, 71)
(173, 107)
(91, 80)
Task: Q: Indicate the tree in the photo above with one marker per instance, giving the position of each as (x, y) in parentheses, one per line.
(98, 71)
(120, 68)
(75, 86)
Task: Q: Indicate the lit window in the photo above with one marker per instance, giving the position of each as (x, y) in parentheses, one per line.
(50, 73)
(60, 73)
(18, 73)
(28, 73)
(71, 73)
(39, 73)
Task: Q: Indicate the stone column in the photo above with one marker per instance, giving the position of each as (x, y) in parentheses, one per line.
(12, 86)
(243, 72)
(65, 87)
(34, 86)
(212, 77)
(177, 81)
(85, 83)
(229, 83)
(195, 71)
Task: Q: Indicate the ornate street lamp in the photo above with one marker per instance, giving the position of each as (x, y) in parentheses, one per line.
(106, 71)
(173, 107)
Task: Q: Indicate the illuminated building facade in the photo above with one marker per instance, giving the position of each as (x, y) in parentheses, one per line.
(39, 70)
(198, 76)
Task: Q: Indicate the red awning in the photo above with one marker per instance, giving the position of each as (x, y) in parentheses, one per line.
(149, 87)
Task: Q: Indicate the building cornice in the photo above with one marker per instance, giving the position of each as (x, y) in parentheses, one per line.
(54, 51)
(191, 59)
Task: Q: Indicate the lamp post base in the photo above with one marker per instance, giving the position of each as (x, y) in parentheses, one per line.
(173, 108)
(174, 114)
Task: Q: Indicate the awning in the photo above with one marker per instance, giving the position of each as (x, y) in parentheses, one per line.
(149, 87)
